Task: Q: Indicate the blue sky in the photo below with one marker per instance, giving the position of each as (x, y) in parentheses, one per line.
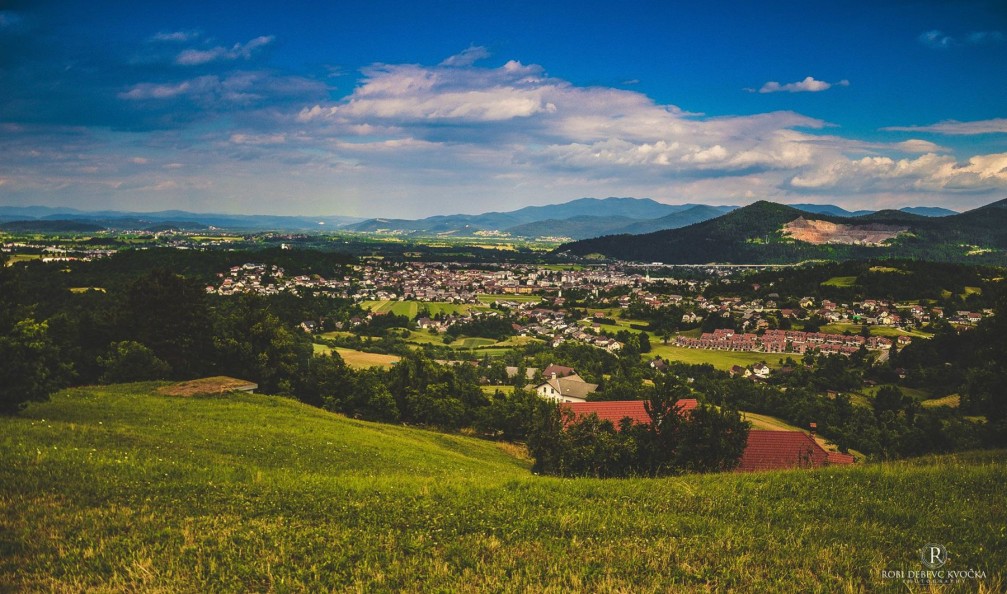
(382, 108)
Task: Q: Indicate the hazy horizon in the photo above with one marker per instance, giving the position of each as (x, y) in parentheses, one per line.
(446, 213)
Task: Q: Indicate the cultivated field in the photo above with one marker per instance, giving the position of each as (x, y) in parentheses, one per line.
(888, 331)
(411, 308)
(840, 281)
(357, 359)
(117, 489)
(722, 360)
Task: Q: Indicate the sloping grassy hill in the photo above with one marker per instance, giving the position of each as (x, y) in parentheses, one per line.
(115, 489)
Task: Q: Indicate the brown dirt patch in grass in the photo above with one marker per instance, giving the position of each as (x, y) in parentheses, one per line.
(208, 385)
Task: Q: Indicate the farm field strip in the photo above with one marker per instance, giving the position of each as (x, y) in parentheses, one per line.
(722, 360)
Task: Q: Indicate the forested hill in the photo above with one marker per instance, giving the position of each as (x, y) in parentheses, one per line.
(766, 232)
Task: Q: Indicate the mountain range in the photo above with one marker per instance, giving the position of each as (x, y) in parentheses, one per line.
(45, 218)
(765, 232)
(583, 218)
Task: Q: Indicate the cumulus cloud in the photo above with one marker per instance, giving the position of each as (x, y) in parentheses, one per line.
(472, 132)
(956, 128)
(195, 57)
(522, 115)
(808, 85)
(937, 39)
(929, 172)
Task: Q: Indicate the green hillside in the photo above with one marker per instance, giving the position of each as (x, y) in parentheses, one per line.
(751, 235)
(119, 489)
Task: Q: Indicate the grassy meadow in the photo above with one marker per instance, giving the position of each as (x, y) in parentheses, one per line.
(840, 281)
(723, 360)
(119, 489)
(357, 359)
(411, 308)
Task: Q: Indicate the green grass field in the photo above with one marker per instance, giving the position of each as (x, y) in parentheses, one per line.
(479, 345)
(952, 401)
(357, 359)
(15, 258)
(840, 281)
(411, 308)
(723, 360)
(890, 332)
(116, 489)
(488, 298)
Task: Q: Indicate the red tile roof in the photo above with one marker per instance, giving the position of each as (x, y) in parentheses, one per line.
(777, 450)
(616, 410)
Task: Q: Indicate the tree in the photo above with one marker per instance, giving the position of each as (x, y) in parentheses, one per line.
(659, 443)
(131, 361)
(252, 343)
(32, 368)
(712, 440)
(644, 342)
(328, 382)
(169, 314)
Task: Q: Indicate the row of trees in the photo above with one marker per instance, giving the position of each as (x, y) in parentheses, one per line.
(705, 439)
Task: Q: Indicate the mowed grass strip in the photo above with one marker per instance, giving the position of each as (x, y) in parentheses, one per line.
(722, 360)
(116, 489)
(888, 331)
(840, 281)
(357, 359)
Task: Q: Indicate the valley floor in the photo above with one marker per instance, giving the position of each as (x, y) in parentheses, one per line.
(119, 489)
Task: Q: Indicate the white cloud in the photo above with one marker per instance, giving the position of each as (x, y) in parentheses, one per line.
(929, 172)
(195, 57)
(426, 139)
(937, 39)
(144, 91)
(808, 85)
(467, 57)
(174, 36)
(956, 128)
(914, 145)
(237, 88)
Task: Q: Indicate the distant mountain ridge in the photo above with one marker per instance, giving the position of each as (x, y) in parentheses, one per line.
(583, 218)
(756, 234)
(177, 219)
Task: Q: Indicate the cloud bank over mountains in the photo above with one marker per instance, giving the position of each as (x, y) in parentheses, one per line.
(182, 119)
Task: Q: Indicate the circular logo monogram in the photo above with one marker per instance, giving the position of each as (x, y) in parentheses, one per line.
(934, 556)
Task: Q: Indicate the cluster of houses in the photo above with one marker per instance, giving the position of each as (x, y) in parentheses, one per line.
(428, 281)
(786, 341)
(553, 327)
(56, 253)
(265, 279)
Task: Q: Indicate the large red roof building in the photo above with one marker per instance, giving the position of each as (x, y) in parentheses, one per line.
(766, 450)
(779, 450)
